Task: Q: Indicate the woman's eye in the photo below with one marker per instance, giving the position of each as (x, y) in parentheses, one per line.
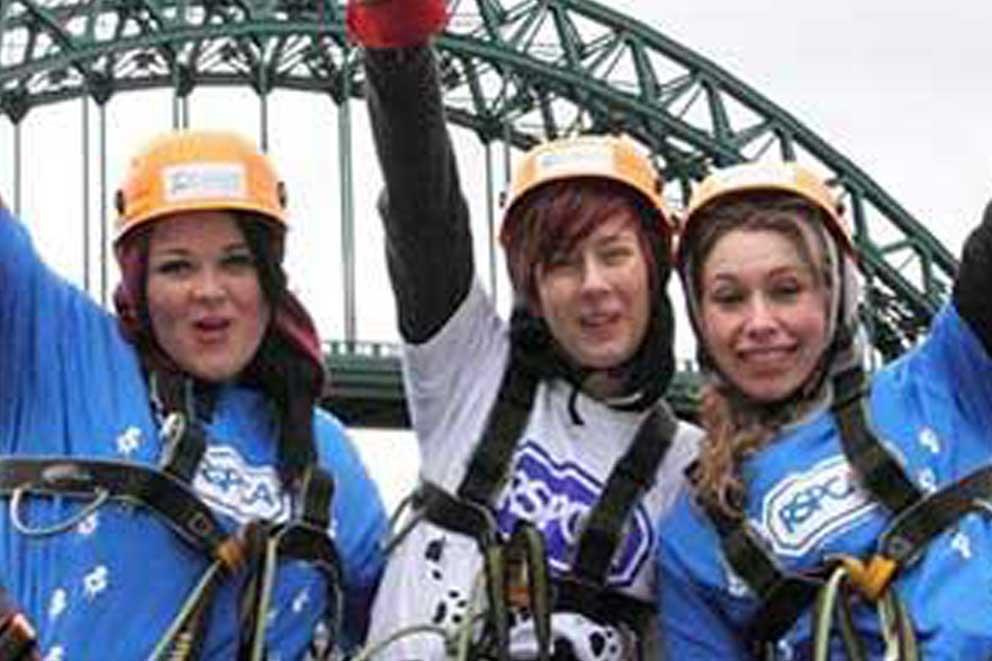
(174, 267)
(557, 262)
(616, 255)
(727, 298)
(240, 260)
(786, 291)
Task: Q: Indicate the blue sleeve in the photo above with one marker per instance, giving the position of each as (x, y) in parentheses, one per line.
(63, 361)
(21, 277)
(690, 625)
(955, 368)
(360, 524)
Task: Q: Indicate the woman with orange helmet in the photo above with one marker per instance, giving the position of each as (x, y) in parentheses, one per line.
(250, 522)
(543, 440)
(829, 512)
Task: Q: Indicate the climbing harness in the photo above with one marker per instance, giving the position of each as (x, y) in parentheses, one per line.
(917, 519)
(165, 491)
(515, 569)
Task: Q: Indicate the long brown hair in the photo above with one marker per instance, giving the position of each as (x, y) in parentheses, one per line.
(737, 427)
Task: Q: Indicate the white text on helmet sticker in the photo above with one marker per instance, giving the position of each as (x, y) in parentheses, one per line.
(575, 158)
(804, 509)
(757, 173)
(204, 180)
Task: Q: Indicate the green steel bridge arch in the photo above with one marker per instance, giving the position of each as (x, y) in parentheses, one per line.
(515, 73)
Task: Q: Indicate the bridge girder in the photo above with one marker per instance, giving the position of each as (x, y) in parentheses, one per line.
(514, 72)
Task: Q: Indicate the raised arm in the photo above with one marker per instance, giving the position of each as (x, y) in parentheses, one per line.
(429, 244)
(17, 636)
(971, 286)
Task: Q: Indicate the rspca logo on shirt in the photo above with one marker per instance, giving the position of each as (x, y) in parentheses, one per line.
(230, 486)
(806, 508)
(557, 498)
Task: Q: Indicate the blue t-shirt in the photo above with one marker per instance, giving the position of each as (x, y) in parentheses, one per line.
(933, 408)
(71, 385)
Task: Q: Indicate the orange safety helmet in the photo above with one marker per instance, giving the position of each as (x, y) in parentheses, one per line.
(788, 177)
(187, 170)
(615, 158)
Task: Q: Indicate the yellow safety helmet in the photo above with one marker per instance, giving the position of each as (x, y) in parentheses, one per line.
(789, 177)
(193, 170)
(616, 158)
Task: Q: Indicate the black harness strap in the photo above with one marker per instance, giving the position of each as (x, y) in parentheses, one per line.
(455, 514)
(469, 513)
(491, 459)
(878, 471)
(917, 518)
(302, 538)
(779, 592)
(167, 494)
(632, 475)
(917, 525)
(183, 447)
(163, 494)
(601, 605)
(459, 516)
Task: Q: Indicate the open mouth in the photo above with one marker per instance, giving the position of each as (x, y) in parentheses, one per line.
(211, 330)
(598, 322)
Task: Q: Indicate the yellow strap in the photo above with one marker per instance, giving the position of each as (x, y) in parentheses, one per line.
(871, 579)
(231, 553)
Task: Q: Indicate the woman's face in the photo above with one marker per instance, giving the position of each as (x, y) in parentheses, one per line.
(596, 298)
(763, 313)
(205, 301)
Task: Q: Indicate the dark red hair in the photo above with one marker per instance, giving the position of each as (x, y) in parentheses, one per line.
(558, 216)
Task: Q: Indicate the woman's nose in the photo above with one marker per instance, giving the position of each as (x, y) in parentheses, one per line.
(761, 318)
(593, 275)
(208, 285)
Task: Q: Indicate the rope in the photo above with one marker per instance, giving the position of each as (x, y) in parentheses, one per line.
(457, 641)
(174, 634)
(897, 629)
(265, 596)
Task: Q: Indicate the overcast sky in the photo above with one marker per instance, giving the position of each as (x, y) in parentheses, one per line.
(901, 88)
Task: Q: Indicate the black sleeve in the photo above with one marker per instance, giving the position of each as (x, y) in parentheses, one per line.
(974, 281)
(428, 239)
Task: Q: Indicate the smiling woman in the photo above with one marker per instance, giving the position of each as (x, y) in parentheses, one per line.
(764, 307)
(197, 402)
(810, 470)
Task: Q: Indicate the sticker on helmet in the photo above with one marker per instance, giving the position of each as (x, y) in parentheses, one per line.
(575, 158)
(191, 181)
(762, 174)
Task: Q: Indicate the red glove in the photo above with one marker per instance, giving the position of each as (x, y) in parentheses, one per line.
(395, 23)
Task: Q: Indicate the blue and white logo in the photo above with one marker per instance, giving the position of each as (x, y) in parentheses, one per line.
(229, 485)
(557, 498)
(806, 508)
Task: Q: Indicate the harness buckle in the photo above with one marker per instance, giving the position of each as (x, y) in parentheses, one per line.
(871, 578)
